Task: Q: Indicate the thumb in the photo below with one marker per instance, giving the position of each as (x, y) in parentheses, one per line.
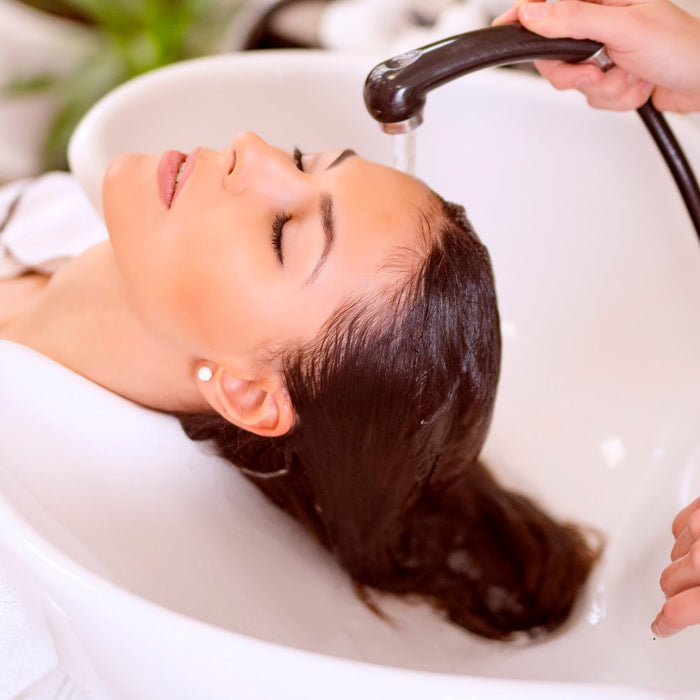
(569, 18)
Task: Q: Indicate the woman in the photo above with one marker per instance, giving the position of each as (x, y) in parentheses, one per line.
(331, 324)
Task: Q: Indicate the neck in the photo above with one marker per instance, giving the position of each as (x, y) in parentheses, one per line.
(84, 321)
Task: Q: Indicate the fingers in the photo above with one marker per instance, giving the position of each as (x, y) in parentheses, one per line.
(512, 13)
(680, 580)
(681, 521)
(615, 89)
(578, 20)
(618, 90)
(683, 573)
(509, 16)
(653, 39)
(567, 76)
(678, 612)
(686, 529)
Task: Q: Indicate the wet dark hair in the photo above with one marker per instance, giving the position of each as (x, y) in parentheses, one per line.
(393, 402)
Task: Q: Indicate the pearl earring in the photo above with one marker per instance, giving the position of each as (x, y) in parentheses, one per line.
(204, 373)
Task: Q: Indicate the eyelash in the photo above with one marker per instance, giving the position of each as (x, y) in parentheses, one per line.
(277, 225)
(282, 218)
(298, 155)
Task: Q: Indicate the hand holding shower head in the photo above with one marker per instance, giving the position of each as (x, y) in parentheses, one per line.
(395, 90)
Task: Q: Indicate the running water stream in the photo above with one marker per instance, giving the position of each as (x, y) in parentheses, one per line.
(405, 152)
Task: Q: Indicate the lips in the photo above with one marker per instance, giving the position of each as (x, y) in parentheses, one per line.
(174, 168)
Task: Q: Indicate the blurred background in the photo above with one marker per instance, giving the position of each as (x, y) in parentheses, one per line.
(57, 57)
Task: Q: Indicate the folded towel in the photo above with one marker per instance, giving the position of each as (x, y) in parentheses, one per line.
(44, 223)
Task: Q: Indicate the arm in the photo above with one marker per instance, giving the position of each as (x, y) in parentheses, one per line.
(654, 44)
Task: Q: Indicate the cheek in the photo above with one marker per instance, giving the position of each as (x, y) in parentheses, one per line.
(130, 204)
(194, 293)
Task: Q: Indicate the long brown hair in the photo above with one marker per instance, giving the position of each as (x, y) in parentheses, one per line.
(393, 403)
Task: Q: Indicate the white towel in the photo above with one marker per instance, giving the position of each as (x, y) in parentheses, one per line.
(26, 652)
(44, 223)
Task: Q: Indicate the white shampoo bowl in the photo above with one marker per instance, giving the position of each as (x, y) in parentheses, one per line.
(162, 574)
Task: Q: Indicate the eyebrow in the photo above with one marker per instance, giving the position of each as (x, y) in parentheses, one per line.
(328, 220)
(345, 154)
(328, 225)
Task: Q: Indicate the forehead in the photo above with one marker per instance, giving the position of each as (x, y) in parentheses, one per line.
(384, 223)
(381, 202)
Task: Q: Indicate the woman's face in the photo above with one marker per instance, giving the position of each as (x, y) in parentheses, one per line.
(258, 247)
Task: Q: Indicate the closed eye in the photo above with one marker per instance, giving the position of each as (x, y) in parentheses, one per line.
(277, 230)
(282, 217)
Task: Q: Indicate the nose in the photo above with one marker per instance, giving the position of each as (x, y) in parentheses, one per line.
(257, 162)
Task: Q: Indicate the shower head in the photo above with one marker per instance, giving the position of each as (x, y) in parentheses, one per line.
(396, 89)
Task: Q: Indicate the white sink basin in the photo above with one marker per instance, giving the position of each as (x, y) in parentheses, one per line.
(161, 573)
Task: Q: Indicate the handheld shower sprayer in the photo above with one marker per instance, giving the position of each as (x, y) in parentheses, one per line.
(395, 90)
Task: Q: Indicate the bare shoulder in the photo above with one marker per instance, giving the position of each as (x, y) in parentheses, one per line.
(18, 293)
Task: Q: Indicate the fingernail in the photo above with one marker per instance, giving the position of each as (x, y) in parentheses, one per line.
(535, 10)
(661, 628)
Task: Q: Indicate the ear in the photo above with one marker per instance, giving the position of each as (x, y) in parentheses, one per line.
(261, 406)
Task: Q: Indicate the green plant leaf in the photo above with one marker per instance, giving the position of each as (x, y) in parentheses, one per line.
(19, 87)
(132, 37)
(108, 14)
(77, 94)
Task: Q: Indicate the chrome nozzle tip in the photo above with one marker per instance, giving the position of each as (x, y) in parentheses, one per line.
(404, 126)
(601, 59)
